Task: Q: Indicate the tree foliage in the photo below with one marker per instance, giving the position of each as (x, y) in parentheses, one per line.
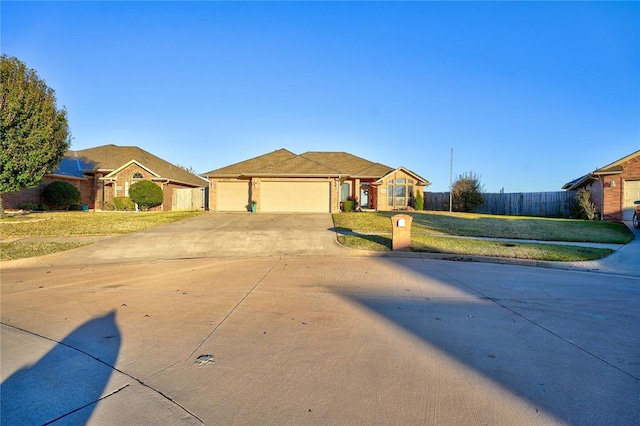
(146, 194)
(467, 193)
(34, 133)
(583, 207)
(61, 195)
(419, 201)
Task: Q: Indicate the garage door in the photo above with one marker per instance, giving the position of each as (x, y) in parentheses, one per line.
(232, 196)
(631, 194)
(302, 197)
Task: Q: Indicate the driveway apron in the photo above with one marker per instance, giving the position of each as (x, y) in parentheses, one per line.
(212, 235)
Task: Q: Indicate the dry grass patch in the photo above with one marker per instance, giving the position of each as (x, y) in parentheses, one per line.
(63, 224)
(22, 250)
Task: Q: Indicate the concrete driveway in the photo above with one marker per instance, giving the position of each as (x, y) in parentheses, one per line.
(262, 338)
(210, 235)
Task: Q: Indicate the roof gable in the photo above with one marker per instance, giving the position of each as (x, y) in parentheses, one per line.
(616, 166)
(124, 166)
(420, 180)
(610, 169)
(111, 158)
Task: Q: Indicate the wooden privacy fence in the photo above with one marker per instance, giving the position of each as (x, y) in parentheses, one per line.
(546, 204)
(189, 199)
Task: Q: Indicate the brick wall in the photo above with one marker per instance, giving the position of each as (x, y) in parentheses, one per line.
(13, 200)
(614, 194)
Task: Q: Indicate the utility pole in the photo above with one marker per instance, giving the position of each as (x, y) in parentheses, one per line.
(451, 183)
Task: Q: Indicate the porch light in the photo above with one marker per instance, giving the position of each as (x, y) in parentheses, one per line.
(612, 184)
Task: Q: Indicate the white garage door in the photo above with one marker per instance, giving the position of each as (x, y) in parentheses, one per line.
(301, 197)
(631, 194)
(232, 196)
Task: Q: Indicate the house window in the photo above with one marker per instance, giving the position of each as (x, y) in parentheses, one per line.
(345, 192)
(399, 192)
(137, 175)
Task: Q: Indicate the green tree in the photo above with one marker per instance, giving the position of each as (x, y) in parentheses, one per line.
(419, 202)
(146, 194)
(467, 193)
(34, 133)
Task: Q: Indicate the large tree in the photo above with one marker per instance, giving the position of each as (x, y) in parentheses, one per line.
(467, 192)
(35, 133)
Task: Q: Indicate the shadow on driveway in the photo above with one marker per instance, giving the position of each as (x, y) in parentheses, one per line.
(71, 376)
(571, 356)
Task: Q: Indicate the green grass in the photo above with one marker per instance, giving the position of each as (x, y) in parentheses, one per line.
(69, 224)
(479, 225)
(21, 250)
(63, 224)
(435, 232)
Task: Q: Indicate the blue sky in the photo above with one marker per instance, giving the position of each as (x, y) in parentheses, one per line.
(529, 95)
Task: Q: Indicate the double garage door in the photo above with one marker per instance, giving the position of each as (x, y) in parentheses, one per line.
(277, 196)
(305, 197)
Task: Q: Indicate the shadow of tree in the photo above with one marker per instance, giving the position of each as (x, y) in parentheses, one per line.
(71, 376)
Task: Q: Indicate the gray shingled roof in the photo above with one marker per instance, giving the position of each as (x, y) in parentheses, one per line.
(253, 164)
(108, 158)
(285, 163)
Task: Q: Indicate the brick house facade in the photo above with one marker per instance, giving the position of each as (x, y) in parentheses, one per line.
(282, 181)
(108, 171)
(613, 187)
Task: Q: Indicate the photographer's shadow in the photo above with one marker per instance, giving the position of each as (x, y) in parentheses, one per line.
(65, 384)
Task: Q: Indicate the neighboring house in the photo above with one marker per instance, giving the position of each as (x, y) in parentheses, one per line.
(68, 170)
(282, 181)
(108, 171)
(613, 187)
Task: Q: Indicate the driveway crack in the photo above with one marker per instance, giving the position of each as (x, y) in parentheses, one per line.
(234, 308)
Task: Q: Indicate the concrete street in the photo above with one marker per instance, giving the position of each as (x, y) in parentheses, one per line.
(265, 319)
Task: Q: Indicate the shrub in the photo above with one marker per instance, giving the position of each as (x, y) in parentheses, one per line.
(348, 206)
(146, 194)
(418, 203)
(583, 207)
(123, 204)
(467, 193)
(28, 206)
(75, 207)
(61, 194)
(43, 207)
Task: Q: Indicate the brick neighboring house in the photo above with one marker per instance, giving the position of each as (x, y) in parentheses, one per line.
(613, 187)
(282, 181)
(68, 170)
(107, 171)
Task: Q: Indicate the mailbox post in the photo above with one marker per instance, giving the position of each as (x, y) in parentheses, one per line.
(401, 232)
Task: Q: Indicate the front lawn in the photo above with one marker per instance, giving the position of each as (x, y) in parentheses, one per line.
(21, 250)
(435, 232)
(69, 224)
(65, 224)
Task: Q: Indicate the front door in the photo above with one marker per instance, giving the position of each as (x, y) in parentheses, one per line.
(364, 198)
